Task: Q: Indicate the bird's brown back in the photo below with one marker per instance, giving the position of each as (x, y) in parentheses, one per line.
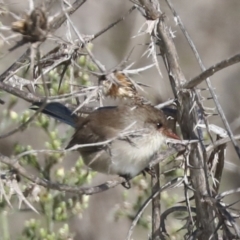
(106, 123)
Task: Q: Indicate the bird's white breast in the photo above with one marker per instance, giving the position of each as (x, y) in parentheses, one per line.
(130, 158)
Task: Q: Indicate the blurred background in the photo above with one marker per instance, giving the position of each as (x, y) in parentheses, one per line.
(213, 27)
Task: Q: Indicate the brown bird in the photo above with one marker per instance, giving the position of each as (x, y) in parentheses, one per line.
(118, 139)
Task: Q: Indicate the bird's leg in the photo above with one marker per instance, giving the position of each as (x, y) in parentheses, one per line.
(126, 184)
(150, 171)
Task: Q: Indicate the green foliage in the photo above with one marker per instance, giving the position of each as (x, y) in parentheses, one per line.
(35, 231)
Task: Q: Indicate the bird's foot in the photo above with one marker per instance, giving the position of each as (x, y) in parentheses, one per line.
(126, 184)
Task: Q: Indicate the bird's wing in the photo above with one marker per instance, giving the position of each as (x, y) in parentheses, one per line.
(102, 125)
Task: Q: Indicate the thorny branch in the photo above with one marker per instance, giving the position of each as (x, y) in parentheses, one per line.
(14, 164)
(199, 177)
(54, 25)
(212, 70)
(205, 76)
(60, 187)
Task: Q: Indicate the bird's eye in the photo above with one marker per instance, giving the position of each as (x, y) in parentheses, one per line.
(159, 125)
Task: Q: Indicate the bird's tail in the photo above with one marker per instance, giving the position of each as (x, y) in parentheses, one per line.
(57, 111)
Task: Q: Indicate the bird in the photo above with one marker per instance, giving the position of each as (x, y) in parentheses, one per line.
(120, 140)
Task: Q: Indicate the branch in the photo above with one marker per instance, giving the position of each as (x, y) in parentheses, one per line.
(208, 82)
(61, 18)
(210, 71)
(156, 205)
(14, 163)
(187, 120)
(15, 65)
(113, 24)
(171, 210)
(168, 185)
(57, 186)
(27, 96)
(54, 25)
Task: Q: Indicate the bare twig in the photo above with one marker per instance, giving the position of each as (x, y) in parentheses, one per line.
(113, 24)
(15, 65)
(156, 206)
(168, 185)
(25, 124)
(227, 193)
(171, 210)
(31, 98)
(221, 142)
(100, 67)
(61, 18)
(212, 70)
